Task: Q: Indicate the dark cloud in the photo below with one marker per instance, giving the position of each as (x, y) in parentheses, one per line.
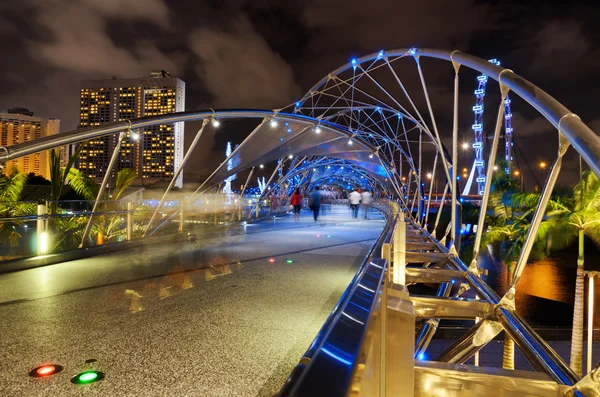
(238, 68)
(266, 53)
(392, 24)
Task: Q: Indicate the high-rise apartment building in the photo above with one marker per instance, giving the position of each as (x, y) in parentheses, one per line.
(158, 151)
(20, 125)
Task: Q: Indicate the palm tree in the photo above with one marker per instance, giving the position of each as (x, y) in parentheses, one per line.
(577, 219)
(67, 230)
(107, 226)
(507, 231)
(11, 186)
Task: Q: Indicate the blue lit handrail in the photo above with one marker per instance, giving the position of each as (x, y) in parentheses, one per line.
(300, 372)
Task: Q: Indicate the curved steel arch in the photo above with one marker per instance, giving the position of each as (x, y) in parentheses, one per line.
(583, 139)
(572, 131)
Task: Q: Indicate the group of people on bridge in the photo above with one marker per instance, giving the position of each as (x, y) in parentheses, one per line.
(356, 198)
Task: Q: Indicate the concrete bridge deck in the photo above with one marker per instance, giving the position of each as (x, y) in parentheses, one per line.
(215, 316)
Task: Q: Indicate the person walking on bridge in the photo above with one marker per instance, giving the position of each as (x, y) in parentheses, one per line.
(366, 200)
(297, 204)
(315, 202)
(354, 199)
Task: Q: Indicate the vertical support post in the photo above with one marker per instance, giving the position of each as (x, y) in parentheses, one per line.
(111, 164)
(240, 207)
(177, 172)
(430, 190)
(400, 168)
(420, 179)
(41, 226)
(244, 186)
(383, 334)
(181, 215)
(262, 194)
(400, 344)
(455, 158)
(399, 251)
(439, 214)
(129, 220)
(590, 333)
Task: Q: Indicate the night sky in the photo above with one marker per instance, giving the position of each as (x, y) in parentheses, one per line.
(267, 53)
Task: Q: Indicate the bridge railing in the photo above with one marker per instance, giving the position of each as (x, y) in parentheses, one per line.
(31, 229)
(354, 326)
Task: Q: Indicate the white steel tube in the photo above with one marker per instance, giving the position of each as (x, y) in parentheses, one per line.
(430, 190)
(111, 164)
(177, 172)
(400, 251)
(129, 220)
(590, 336)
(42, 210)
(454, 155)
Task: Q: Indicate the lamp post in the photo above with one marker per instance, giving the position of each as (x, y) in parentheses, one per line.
(520, 175)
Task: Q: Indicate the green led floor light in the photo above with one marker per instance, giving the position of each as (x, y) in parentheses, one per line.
(289, 261)
(86, 377)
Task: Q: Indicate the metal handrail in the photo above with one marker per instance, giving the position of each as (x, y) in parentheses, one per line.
(299, 372)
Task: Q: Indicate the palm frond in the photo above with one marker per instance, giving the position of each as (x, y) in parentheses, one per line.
(11, 186)
(125, 177)
(82, 185)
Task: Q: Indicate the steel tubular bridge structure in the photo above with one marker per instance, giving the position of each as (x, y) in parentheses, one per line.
(371, 123)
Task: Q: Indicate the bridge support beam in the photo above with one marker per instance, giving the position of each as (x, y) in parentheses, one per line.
(41, 227)
(437, 307)
(111, 164)
(473, 341)
(399, 252)
(129, 220)
(177, 173)
(537, 352)
(400, 344)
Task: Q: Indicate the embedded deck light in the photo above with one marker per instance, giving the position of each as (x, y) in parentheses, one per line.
(86, 377)
(45, 370)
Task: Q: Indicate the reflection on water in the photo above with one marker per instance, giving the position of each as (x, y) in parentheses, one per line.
(546, 291)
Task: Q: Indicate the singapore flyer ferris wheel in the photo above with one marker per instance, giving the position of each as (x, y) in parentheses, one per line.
(478, 141)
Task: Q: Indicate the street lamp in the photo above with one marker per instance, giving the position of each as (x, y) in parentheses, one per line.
(465, 146)
(429, 175)
(520, 175)
(542, 165)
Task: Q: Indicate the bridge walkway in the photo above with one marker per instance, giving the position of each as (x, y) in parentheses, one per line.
(214, 317)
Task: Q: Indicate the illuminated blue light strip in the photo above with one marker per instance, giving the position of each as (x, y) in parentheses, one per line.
(342, 360)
